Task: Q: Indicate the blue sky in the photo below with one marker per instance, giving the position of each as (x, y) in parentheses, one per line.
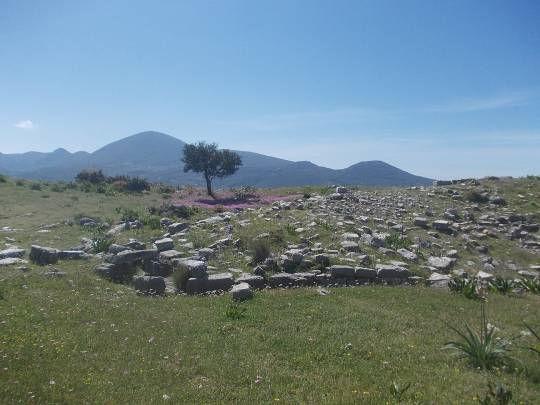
(439, 88)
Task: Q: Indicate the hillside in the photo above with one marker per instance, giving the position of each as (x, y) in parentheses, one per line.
(156, 156)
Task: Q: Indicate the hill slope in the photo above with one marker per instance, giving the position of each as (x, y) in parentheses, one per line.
(156, 156)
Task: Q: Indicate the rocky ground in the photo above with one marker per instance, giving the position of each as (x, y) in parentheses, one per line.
(115, 297)
(343, 236)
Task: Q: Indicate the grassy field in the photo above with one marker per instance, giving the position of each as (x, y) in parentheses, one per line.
(83, 339)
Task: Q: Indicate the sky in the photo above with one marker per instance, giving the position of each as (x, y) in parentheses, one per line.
(443, 89)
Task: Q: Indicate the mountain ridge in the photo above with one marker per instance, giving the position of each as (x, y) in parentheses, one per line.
(157, 156)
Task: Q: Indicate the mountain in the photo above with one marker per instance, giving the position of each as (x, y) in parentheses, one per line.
(156, 156)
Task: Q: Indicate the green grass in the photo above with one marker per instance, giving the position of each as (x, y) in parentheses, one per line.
(102, 342)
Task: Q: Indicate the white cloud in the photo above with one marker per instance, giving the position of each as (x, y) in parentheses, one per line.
(25, 124)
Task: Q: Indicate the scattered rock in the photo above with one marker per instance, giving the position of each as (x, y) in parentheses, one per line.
(241, 292)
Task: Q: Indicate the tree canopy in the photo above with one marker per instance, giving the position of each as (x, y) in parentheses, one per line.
(212, 162)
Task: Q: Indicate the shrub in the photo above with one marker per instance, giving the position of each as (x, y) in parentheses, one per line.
(128, 214)
(20, 183)
(35, 186)
(244, 192)
(482, 349)
(260, 250)
(137, 184)
(100, 241)
(151, 221)
(396, 241)
(180, 277)
(58, 188)
(90, 176)
(475, 196)
(3, 179)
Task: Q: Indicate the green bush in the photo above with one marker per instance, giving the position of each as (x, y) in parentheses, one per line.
(128, 214)
(35, 186)
(20, 183)
(90, 176)
(475, 196)
(3, 179)
(260, 250)
(58, 188)
(396, 241)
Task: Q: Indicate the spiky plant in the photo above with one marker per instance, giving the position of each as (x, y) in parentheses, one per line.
(536, 347)
(532, 285)
(501, 285)
(482, 349)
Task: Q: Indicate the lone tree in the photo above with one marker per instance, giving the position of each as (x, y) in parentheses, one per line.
(212, 162)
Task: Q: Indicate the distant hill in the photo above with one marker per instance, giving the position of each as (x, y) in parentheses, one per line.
(156, 156)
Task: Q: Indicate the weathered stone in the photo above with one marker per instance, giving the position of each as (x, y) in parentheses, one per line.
(441, 263)
(253, 280)
(155, 268)
(322, 259)
(219, 282)
(135, 244)
(206, 253)
(72, 255)
(132, 256)
(438, 280)
(241, 292)
(407, 254)
(390, 272)
(195, 286)
(350, 246)
(482, 275)
(149, 285)
(177, 227)
(364, 273)
(43, 255)
(9, 261)
(342, 271)
(441, 225)
(164, 244)
(115, 249)
(282, 280)
(122, 272)
(168, 256)
(195, 268)
(12, 253)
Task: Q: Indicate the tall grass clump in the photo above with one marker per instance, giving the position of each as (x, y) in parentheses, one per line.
(100, 240)
(180, 277)
(466, 287)
(260, 250)
(482, 349)
(396, 241)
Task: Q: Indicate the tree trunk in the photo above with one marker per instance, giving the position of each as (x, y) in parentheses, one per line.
(209, 186)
